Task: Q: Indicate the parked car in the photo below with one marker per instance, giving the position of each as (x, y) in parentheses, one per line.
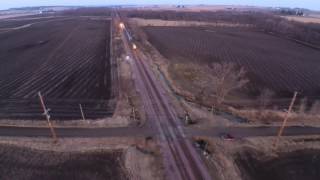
(227, 137)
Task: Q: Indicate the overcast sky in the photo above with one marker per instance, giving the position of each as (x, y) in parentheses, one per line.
(310, 4)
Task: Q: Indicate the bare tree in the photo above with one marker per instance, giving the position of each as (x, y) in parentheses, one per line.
(200, 95)
(264, 98)
(302, 106)
(226, 77)
(315, 109)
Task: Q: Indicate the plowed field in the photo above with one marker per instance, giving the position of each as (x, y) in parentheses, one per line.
(67, 59)
(272, 62)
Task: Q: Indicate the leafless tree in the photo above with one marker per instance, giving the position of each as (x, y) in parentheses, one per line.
(200, 96)
(226, 77)
(315, 109)
(303, 106)
(264, 98)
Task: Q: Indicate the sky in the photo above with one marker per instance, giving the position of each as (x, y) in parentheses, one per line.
(310, 4)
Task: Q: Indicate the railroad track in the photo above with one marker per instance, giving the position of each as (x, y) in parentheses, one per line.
(180, 158)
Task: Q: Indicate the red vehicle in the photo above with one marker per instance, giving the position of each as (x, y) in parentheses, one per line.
(227, 137)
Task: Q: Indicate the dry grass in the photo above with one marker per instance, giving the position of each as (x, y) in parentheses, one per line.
(72, 144)
(15, 15)
(190, 76)
(142, 165)
(276, 117)
(303, 19)
(158, 22)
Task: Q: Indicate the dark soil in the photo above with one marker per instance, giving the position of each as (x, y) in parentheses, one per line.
(272, 62)
(98, 11)
(299, 165)
(27, 164)
(67, 60)
(17, 23)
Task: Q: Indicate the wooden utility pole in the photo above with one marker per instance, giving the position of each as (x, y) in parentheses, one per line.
(46, 113)
(286, 119)
(187, 118)
(82, 113)
(134, 113)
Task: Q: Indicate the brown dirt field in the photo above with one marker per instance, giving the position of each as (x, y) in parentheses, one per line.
(271, 62)
(24, 163)
(67, 60)
(168, 69)
(122, 158)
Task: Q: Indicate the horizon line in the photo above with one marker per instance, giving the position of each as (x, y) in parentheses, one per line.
(19, 7)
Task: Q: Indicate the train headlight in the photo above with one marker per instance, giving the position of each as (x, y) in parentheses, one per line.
(134, 46)
(121, 25)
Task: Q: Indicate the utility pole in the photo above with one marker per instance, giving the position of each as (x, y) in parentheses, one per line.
(286, 119)
(46, 113)
(134, 113)
(82, 113)
(187, 118)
